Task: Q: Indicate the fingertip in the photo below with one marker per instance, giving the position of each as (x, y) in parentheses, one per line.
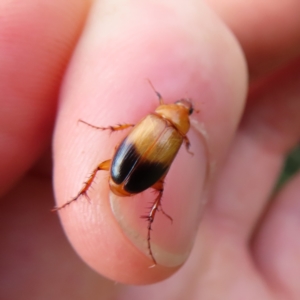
(105, 86)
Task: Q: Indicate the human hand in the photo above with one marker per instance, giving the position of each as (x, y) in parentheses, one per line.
(238, 253)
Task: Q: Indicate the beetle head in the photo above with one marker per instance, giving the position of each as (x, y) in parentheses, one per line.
(186, 103)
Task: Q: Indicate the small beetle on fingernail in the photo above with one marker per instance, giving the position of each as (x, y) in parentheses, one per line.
(143, 159)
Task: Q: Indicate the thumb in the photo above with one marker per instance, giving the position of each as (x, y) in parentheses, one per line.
(187, 53)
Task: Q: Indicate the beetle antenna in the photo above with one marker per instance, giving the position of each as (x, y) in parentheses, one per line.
(160, 98)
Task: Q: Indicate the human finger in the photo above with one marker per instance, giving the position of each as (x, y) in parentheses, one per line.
(189, 52)
(268, 31)
(34, 50)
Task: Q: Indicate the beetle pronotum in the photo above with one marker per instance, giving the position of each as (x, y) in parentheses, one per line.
(143, 159)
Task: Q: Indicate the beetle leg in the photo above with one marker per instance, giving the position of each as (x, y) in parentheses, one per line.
(156, 206)
(187, 144)
(159, 186)
(160, 98)
(111, 128)
(105, 165)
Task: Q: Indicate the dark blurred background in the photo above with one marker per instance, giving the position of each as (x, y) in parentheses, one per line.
(292, 165)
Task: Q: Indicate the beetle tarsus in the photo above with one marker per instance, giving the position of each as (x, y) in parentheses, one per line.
(56, 208)
(187, 145)
(104, 166)
(150, 220)
(169, 217)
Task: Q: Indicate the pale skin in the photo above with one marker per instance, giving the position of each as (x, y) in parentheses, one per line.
(247, 247)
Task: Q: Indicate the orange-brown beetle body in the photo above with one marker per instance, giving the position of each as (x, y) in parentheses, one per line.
(146, 154)
(144, 157)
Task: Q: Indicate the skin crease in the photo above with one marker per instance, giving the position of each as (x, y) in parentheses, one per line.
(245, 248)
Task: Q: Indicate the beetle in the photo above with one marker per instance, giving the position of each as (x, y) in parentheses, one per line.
(143, 159)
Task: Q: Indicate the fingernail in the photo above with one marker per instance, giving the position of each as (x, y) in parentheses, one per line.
(183, 201)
